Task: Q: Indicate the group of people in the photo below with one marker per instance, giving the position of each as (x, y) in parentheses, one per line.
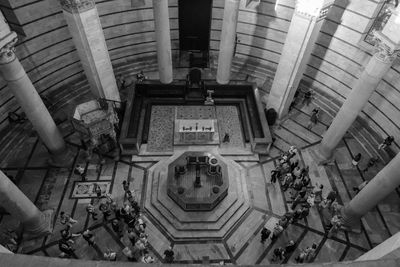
(304, 195)
(127, 221)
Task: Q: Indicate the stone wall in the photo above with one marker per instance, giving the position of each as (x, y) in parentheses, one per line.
(52, 62)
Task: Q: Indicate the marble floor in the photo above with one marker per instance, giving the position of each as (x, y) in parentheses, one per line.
(238, 239)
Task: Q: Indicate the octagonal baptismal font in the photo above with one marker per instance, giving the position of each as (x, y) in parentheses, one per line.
(197, 181)
(196, 195)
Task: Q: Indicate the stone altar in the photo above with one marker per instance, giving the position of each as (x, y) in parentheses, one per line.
(196, 132)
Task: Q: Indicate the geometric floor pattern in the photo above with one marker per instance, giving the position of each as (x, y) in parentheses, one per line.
(51, 188)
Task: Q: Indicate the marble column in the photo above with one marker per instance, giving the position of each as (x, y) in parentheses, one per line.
(28, 98)
(227, 42)
(304, 29)
(35, 222)
(376, 190)
(388, 45)
(163, 40)
(87, 34)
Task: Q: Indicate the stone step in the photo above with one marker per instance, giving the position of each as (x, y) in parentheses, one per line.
(186, 235)
(165, 205)
(17, 134)
(203, 234)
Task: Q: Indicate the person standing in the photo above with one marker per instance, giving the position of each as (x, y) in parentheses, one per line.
(274, 174)
(125, 185)
(335, 225)
(313, 119)
(331, 196)
(91, 211)
(67, 219)
(310, 252)
(116, 226)
(278, 229)
(356, 159)
(371, 163)
(358, 188)
(89, 237)
(318, 192)
(169, 254)
(226, 138)
(65, 247)
(279, 253)
(387, 142)
(307, 97)
(290, 247)
(79, 170)
(265, 232)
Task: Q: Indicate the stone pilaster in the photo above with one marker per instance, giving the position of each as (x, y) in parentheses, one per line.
(87, 34)
(303, 32)
(227, 43)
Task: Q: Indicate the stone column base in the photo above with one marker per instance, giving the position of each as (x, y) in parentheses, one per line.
(39, 227)
(62, 159)
(319, 158)
(351, 222)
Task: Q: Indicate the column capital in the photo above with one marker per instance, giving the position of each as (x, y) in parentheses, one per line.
(386, 51)
(313, 8)
(77, 6)
(7, 47)
(387, 41)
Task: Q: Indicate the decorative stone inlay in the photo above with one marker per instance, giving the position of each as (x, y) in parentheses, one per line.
(76, 6)
(7, 48)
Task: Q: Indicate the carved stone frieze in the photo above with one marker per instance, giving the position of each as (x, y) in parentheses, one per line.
(77, 6)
